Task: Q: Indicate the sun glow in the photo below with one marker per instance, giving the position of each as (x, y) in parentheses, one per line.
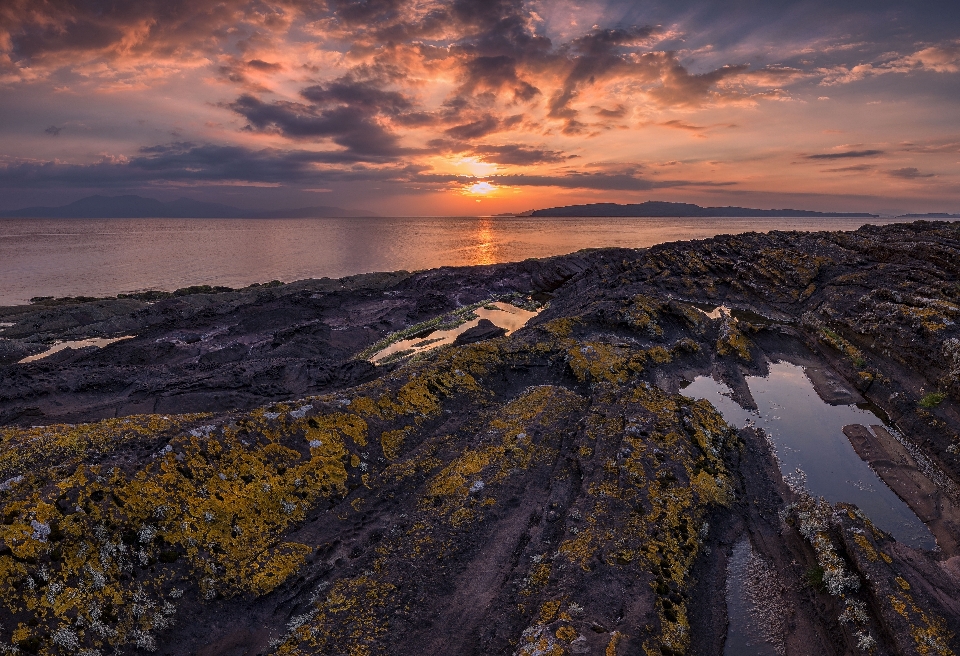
(480, 189)
(476, 166)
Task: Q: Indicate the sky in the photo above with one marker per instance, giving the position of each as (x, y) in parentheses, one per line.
(465, 107)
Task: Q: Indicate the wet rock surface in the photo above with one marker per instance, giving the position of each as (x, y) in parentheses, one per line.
(485, 329)
(236, 480)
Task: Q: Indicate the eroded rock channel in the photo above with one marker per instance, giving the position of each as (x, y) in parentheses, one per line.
(239, 478)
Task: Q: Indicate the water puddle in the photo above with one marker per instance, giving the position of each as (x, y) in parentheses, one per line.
(718, 312)
(99, 342)
(749, 613)
(712, 311)
(812, 450)
(6, 324)
(504, 315)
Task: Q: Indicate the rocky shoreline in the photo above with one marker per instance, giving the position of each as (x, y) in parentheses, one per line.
(235, 479)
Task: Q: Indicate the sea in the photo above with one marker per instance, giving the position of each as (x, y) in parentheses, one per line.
(105, 257)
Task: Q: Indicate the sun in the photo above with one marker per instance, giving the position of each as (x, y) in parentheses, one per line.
(480, 189)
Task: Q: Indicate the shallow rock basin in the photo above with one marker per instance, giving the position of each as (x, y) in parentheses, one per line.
(504, 315)
(751, 622)
(812, 450)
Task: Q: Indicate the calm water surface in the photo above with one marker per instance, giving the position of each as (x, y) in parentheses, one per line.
(808, 437)
(93, 257)
(745, 635)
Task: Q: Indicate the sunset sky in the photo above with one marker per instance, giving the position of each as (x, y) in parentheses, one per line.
(479, 106)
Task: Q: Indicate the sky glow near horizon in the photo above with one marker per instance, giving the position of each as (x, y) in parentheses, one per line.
(409, 107)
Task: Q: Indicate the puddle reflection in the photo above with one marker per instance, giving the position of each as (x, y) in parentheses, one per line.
(503, 315)
(99, 342)
(811, 448)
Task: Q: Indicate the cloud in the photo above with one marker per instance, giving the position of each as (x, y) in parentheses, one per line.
(475, 129)
(774, 75)
(850, 169)
(595, 56)
(617, 112)
(600, 181)
(681, 125)
(944, 58)
(846, 154)
(496, 73)
(933, 146)
(187, 163)
(940, 59)
(909, 173)
(381, 90)
(517, 155)
(353, 12)
(344, 113)
(112, 41)
(191, 164)
(53, 131)
(682, 89)
(268, 67)
(365, 96)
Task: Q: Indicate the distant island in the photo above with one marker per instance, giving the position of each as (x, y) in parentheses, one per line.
(930, 215)
(653, 208)
(138, 207)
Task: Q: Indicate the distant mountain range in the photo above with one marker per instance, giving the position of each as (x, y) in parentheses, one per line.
(930, 215)
(138, 207)
(653, 208)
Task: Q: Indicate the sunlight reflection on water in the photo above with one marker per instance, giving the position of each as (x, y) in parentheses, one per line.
(96, 257)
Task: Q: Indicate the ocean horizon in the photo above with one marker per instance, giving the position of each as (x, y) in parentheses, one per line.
(106, 257)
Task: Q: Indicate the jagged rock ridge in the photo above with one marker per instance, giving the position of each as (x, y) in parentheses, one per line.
(544, 492)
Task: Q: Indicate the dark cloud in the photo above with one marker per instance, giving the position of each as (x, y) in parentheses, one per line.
(506, 154)
(498, 27)
(395, 59)
(496, 73)
(909, 173)
(357, 131)
(210, 164)
(603, 42)
(365, 12)
(237, 73)
(190, 163)
(846, 154)
(850, 169)
(267, 67)
(593, 57)
(475, 129)
(366, 97)
(600, 181)
(121, 29)
(680, 88)
(517, 155)
(617, 112)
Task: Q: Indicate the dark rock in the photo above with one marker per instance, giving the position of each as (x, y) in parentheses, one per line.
(543, 491)
(485, 329)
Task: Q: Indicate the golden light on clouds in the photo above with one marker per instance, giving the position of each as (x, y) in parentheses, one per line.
(406, 106)
(476, 167)
(480, 189)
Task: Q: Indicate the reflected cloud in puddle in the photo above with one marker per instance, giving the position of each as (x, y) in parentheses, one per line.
(807, 436)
